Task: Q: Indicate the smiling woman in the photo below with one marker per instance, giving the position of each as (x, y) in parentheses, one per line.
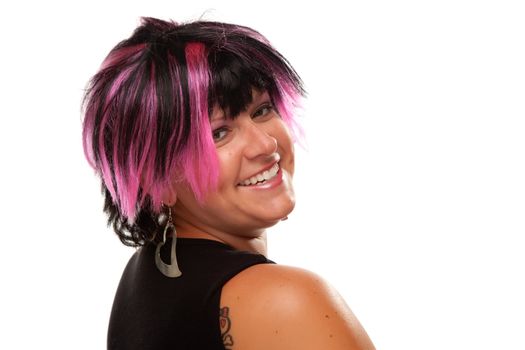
(191, 129)
(254, 188)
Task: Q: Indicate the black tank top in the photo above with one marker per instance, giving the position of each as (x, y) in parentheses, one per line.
(152, 311)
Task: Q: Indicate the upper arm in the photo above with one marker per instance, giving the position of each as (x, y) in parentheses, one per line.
(278, 307)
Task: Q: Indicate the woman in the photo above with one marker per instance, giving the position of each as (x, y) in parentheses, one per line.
(191, 130)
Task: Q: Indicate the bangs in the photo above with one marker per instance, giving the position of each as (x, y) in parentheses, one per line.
(246, 62)
(233, 81)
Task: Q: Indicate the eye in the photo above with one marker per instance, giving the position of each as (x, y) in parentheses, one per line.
(264, 110)
(219, 134)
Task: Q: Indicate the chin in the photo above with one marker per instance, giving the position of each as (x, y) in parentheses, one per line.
(281, 214)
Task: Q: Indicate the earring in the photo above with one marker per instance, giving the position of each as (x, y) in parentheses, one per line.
(172, 269)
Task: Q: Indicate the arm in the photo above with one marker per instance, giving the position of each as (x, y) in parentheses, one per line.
(279, 307)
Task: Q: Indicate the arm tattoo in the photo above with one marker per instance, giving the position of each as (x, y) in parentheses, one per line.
(226, 323)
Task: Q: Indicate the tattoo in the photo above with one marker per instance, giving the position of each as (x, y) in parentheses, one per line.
(226, 323)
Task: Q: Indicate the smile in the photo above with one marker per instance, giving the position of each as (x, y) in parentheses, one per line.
(262, 177)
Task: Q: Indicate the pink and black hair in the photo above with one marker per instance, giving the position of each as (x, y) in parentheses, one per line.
(147, 111)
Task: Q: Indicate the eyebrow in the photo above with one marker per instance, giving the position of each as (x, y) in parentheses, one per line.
(219, 116)
(259, 95)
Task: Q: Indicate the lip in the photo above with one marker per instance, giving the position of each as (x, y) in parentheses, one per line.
(268, 167)
(269, 184)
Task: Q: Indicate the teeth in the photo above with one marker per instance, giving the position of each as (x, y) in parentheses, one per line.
(264, 176)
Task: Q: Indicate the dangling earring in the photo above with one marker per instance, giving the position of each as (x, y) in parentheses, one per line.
(168, 270)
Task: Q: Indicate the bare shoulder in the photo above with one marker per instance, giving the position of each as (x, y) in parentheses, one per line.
(281, 307)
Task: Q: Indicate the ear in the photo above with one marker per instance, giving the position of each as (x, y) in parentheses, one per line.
(169, 197)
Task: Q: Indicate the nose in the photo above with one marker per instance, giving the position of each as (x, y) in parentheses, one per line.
(258, 142)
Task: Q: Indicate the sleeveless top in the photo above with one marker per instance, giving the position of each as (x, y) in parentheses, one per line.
(152, 311)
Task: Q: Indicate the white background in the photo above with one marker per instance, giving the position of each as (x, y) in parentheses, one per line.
(411, 196)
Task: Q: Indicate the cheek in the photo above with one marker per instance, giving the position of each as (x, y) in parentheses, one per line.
(228, 168)
(283, 132)
(285, 142)
(292, 162)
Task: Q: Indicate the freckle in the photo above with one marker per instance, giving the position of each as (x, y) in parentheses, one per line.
(326, 316)
(331, 336)
(276, 331)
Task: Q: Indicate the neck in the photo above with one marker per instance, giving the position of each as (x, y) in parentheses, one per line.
(251, 244)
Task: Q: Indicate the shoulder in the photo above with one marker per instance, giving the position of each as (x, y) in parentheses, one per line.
(283, 307)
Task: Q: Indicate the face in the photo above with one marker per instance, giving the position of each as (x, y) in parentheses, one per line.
(256, 165)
